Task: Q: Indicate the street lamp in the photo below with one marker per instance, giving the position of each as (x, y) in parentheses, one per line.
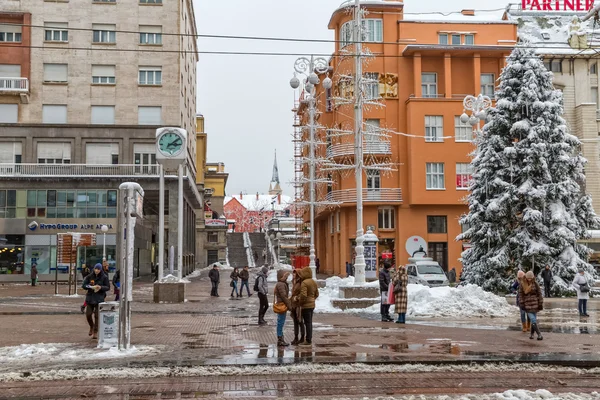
(478, 107)
(310, 69)
(104, 229)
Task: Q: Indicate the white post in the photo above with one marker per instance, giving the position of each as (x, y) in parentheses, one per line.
(359, 263)
(161, 223)
(180, 224)
(311, 115)
(103, 247)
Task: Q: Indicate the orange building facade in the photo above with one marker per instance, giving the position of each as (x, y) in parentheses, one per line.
(421, 70)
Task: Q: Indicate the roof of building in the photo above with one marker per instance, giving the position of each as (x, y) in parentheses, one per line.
(261, 202)
(474, 17)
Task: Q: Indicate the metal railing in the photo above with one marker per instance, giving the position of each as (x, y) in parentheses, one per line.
(379, 195)
(345, 149)
(14, 85)
(76, 170)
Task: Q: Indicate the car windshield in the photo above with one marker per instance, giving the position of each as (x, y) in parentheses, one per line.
(430, 269)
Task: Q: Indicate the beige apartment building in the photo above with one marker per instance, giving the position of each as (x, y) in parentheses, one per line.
(83, 87)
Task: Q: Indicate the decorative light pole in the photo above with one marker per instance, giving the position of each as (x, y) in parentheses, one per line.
(104, 229)
(310, 69)
(478, 107)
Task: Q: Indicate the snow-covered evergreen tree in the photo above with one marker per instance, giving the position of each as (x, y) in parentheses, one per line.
(526, 206)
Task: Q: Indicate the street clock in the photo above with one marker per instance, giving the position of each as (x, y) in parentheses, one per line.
(171, 147)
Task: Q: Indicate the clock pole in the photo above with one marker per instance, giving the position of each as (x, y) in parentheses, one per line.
(161, 223)
(180, 223)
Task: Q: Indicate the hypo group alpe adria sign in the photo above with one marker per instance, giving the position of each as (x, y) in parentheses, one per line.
(557, 5)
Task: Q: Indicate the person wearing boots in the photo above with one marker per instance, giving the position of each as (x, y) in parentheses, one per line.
(214, 280)
(400, 282)
(525, 322)
(97, 285)
(234, 282)
(531, 299)
(282, 290)
(583, 292)
(245, 276)
(263, 289)
(296, 310)
(384, 285)
(34, 274)
(547, 276)
(309, 292)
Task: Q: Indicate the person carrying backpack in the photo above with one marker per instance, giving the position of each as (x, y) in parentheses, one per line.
(261, 286)
(583, 291)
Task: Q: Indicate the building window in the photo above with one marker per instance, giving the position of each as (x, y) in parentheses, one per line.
(429, 84)
(10, 152)
(331, 223)
(56, 32)
(462, 132)
(212, 256)
(103, 75)
(594, 94)
(464, 172)
(54, 114)
(434, 128)
(104, 1)
(372, 86)
(328, 100)
(455, 39)
(151, 34)
(55, 73)
(469, 39)
(338, 225)
(488, 83)
(386, 218)
(103, 115)
(372, 138)
(104, 33)
(435, 176)
(212, 237)
(436, 224)
(102, 153)
(553, 65)
(150, 1)
(149, 115)
(10, 33)
(9, 113)
(346, 34)
(443, 38)
(150, 76)
(8, 204)
(72, 203)
(373, 30)
(594, 69)
(54, 153)
(144, 155)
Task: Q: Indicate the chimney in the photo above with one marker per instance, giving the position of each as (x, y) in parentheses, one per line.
(241, 196)
(468, 12)
(256, 196)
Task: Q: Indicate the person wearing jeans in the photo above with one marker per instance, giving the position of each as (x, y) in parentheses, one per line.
(214, 280)
(245, 276)
(532, 301)
(309, 292)
(282, 291)
(234, 281)
(583, 292)
(96, 284)
(525, 322)
(263, 289)
(296, 310)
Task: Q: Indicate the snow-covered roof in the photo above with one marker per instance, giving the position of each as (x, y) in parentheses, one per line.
(379, 3)
(549, 33)
(479, 17)
(261, 202)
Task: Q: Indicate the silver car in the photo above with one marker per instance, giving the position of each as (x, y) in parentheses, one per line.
(428, 273)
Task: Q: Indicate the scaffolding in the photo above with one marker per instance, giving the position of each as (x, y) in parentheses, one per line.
(300, 178)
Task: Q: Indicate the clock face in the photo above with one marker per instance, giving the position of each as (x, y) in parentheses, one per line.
(170, 144)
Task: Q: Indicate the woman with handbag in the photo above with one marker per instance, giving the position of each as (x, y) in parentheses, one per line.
(400, 282)
(583, 291)
(235, 275)
(281, 304)
(296, 310)
(532, 301)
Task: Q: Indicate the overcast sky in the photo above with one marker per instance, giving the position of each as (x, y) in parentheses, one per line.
(247, 100)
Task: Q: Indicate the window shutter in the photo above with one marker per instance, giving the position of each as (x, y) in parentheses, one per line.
(60, 150)
(8, 150)
(103, 115)
(10, 70)
(55, 72)
(149, 115)
(103, 70)
(54, 114)
(104, 27)
(151, 28)
(100, 153)
(10, 28)
(56, 25)
(9, 114)
(144, 148)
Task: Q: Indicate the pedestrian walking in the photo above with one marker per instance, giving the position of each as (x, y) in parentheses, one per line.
(452, 275)
(264, 255)
(547, 276)
(214, 280)
(262, 288)
(309, 292)
(583, 292)
(348, 269)
(255, 256)
(85, 271)
(34, 274)
(531, 299)
(97, 285)
(317, 266)
(105, 268)
(244, 277)
(384, 285)
(400, 282)
(525, 322)
(296, 310)
(116, 280)
(281, 304)
(235, 275)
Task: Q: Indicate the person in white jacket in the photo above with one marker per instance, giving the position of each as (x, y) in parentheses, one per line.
(583, 291)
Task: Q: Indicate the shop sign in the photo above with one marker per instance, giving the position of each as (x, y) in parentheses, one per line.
(33, 226)
(557, 5)
(215, 222)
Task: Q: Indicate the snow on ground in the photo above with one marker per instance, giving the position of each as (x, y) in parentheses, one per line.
(157, 372)
(56, 352)
(439, 302)
(508, 395)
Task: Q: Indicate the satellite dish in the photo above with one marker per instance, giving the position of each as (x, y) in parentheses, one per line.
(414, 243)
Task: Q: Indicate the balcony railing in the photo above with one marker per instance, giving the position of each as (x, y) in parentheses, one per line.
(76, 170)
(346, 149)
(378, 195)
(14, 85)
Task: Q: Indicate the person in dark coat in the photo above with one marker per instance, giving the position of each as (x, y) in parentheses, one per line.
(547, 276)
(525, 323)
(348, 269)
(116, 280)
(296, 310)
(309, 292)
(532, 301)
(282, 293)
(34, 274)
(317, 266)
(97, 285)
(214, 280)
(384, 285)
(245, 277)
(400, 279)
(263, 290)
(235, 275)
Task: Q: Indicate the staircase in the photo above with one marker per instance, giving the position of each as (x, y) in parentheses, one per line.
(236, 250)
(258, 244)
